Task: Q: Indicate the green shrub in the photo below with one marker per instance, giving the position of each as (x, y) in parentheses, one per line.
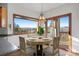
(40, 30)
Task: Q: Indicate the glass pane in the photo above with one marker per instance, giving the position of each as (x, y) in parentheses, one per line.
(51, 28)
(64, 24)
(23, 25)
(49, 25)
(49, 22)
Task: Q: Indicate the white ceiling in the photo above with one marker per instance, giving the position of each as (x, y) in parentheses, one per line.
(36, 7)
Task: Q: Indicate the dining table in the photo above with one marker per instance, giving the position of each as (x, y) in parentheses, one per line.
(39, 43)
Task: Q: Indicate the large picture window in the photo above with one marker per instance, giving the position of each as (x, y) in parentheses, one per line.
(24, 26)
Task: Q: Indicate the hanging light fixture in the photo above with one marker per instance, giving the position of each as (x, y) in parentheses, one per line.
(42, 18)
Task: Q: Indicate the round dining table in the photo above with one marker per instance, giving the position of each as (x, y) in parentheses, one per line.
(39, 42)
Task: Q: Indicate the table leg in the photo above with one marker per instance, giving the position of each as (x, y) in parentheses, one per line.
(39, 50)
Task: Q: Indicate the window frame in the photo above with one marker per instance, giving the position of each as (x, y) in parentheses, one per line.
(22, 17)
(59, 16)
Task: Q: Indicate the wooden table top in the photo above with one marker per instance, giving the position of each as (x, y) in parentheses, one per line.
(38, 41)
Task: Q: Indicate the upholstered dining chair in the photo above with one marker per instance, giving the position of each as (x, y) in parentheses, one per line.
(53, 49)
(64, 41)
(28, 50)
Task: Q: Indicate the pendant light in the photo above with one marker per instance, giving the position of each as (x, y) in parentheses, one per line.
(42, 18)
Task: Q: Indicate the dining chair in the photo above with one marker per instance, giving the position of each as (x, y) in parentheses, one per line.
(28, 50)
(64, 41)
(53, 49)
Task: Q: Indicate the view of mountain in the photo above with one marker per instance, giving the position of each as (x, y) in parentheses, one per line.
(64, 29)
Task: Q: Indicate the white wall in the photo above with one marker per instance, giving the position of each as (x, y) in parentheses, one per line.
(74, 9)
(17, 9)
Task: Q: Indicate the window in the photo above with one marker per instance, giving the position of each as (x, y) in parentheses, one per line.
(63, 29)
(49, 25)
(24, 26)
(64, 24)
(51, 28)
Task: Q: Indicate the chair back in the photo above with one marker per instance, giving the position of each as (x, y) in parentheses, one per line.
(56, 45)
(22, 43)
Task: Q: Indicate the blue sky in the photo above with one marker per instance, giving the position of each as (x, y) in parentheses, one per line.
(49, 21)
(26, 23)
(64, 21)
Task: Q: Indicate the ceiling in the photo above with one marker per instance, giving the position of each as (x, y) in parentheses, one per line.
(36, 7)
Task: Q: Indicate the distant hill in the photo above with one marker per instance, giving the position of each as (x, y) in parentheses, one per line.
(64, 29)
